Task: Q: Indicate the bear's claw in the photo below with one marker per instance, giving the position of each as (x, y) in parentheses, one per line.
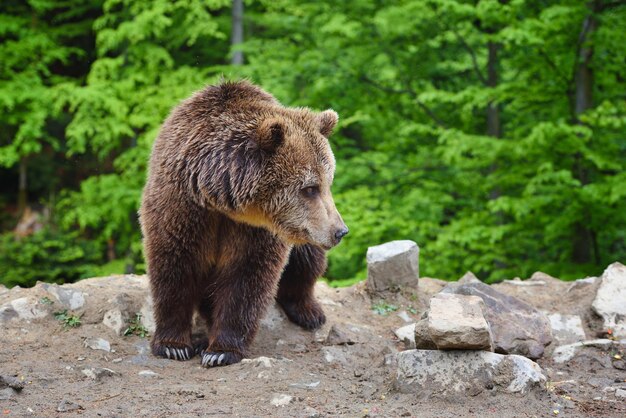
(219, 358)
(176, 353)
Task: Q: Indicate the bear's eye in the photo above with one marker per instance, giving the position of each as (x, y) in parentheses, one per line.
(310, 191)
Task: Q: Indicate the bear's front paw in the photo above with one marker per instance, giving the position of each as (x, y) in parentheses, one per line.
(173, 353)
(219, 358)
(309, 315)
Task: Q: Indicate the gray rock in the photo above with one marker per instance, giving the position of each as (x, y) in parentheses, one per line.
(567, 352)
(312, 385)
(610, 301)
(98, 344)
(69, 298)
(422, 336)
(310, 412)
(456, 322)
(516, 327)
(66, 406)
(25, 308)
(6, 394)
(114, 319)
(336, 355)
(341, 334)
(281, 399)
(566, 329)
(430, 373)
(147, 316)
(620, 393)
(468, 277)
(147, 373)
(393, 264)
(406, 334)
(97, 373)
(12, 382)
(581, 283)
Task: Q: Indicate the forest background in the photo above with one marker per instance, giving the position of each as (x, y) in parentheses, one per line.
(491, 132)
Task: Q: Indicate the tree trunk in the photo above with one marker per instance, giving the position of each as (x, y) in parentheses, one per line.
(22, 193)
(237, 31)
(583, 245)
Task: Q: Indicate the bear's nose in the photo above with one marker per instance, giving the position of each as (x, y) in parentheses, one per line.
(341, 233)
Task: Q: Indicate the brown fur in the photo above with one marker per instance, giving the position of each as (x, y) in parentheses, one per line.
(235, 181)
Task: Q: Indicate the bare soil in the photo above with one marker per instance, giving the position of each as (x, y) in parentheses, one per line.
(305, 377)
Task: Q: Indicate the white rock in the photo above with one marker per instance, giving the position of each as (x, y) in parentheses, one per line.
(147, 316)
(442, 373)
(97, 373)
(610, 301)
(393, 264)
(311, 385)
(281, 399)
(566, 329)
(114, 319)
(406, 334)
(404, 316)
(274, 318)
(147, 373)
(69, 298)
(620, 393)
(98, 344)
(259, 361)
(567, 352)
(457, 322)
(28, 308)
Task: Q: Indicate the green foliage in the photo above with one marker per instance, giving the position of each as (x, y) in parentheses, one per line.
(47, 256)
(68, 320)
(136, 327)
(383, 308)
(461, 124)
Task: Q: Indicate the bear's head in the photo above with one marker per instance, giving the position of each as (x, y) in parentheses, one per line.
(273, 167)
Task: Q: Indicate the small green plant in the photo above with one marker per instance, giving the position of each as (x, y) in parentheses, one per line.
(383, 308)
(68, 320)
(412, 310)
(136, 327)
(46, 301)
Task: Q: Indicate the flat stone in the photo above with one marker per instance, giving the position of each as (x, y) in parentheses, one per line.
(393, 264)
(516, 327)
(114, 319)
(422, 336)
(565, 353)
(620, 393)
(98, 344)
(147, 373)
(406, 334)
(342, 334)
(336, 354)
(25, 308)
(610, 301)
(97, 373)
(566, 329)
(66, 406)
(281, 399)
(431, 373)
(456, 322)
(69, 298)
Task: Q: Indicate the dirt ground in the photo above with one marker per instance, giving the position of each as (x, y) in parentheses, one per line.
(298, 375)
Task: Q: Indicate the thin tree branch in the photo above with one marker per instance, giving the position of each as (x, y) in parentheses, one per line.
(411, 93)
(469, 49)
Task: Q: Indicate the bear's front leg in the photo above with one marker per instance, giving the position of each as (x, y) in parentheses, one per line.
(295, 291)
(240, 296)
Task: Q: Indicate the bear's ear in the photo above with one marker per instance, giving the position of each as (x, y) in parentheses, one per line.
(327, 120)
(270, 134)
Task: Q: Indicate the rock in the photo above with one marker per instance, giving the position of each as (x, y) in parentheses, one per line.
(430, 373)
(260, 361)
(468, 277)
(274, 318)
(310, 412)
(69, 298)
(456, 322)
(281, 400)
(67, 406)
(404, 316)
(97, 373)
(581, 283)
(147, 373)
(393, 264)
(23, 308)
(406, 334)
(335, 354)
(114, 319)
(147, 316)
(620, 393)
(98, 344)
(610, 301)
(516, 327)
(422, 336)
(6, 394)
(566, 329)
(341, 334)
(11, 382)
(567, 352)
(311, 385)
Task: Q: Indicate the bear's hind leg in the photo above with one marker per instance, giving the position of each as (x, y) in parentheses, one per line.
(295, 291)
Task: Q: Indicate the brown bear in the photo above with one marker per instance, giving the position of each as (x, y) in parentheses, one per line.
(236, 211)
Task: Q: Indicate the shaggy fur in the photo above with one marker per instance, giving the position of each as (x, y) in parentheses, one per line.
(238, 186)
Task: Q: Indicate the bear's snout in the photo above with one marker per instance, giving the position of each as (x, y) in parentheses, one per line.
(340, 233)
